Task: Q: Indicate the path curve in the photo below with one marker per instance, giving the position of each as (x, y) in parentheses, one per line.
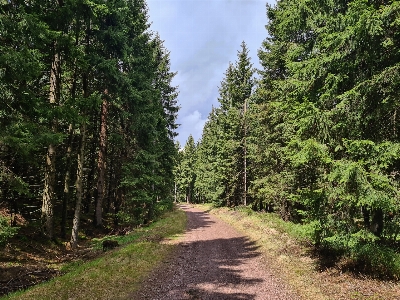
(213, 261)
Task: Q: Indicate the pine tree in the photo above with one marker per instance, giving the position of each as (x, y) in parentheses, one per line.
(209, 180)
(188, 175)
(323, 88)
(222, 153)
(90, 72)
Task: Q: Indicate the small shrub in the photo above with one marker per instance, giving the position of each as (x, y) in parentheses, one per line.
(109, 244)
(163, 206)
(6, 231)
(377, 259)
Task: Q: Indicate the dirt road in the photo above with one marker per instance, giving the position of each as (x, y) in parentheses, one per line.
(213, 261)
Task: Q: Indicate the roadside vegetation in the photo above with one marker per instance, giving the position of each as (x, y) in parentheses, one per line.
(87, 126)
(314, 138)
(116, 273)
(310, 146)
(290, 254)
(87, 117)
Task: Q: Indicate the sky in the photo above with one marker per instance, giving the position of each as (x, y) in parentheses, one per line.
(203, 36)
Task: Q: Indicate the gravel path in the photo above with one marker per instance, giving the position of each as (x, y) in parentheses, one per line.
(213, 261)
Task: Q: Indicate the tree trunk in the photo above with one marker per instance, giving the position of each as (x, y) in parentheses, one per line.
(245, 157)
(188, 195)
(366, 216)
(117, 204)
(66, 195)
(377, 222)
(50, 168)
(110, 195)
(79, 188)
(101, 162)
(119, 193)
(90, 182)
(175, 192)
(48, 193)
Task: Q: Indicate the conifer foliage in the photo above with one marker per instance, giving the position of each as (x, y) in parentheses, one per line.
(87, 113)
(317, 139)
(220, 157)
(330, 72)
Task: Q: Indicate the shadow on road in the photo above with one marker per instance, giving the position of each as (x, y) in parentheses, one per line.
(214, 264)
(196, 219)
(213, 261)
(211, 268)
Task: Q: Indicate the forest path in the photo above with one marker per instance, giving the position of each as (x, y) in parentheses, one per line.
(213, 261)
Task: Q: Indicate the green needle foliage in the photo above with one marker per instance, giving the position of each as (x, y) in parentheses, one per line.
(87, 104)
(220, 157)
(317, 140)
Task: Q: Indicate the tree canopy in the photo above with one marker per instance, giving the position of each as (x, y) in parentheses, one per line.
(319, 132)
(88, 113)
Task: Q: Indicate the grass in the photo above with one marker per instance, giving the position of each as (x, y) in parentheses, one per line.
(289, 253)
(117, 273)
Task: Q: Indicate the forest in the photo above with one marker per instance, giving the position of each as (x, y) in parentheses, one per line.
(87, 115)
(313, 135)
(88, 118)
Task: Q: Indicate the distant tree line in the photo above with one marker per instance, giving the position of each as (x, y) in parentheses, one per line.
(316, 137)
(87, 114)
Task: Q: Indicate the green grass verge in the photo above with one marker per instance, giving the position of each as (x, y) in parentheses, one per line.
(288, 252)
(117, 273)
(280, 242)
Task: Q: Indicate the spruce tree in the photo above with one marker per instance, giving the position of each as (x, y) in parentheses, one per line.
(90, 72)
(331, 115)
(222, 152)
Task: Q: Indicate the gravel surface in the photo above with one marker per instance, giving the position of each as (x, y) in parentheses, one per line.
(213, 261)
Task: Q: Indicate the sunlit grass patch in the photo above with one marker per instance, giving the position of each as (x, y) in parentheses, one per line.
(118, 272)
(288, 252)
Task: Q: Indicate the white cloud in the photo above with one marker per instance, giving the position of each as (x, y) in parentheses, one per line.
(203, 37)
(194, 124)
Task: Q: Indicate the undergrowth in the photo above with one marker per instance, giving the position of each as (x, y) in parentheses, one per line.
(316, 272)
(302, 233)
(362, 255)
(6, 231)
(117, 273)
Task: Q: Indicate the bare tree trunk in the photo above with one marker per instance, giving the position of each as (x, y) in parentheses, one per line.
(117, 204)
(119, 193)
(67, 177)
(90, 179)
(48, 193)
(101, 162)
(79, 188)
(175, 192)
(50, 168)
(66, 195)
(245, 156)
(189, 193)
(112, 183)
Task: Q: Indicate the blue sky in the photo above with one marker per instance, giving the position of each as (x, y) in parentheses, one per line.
(203, 36)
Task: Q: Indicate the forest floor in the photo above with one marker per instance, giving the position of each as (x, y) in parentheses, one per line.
(89, 272)
(228, 254)
(28, 259)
